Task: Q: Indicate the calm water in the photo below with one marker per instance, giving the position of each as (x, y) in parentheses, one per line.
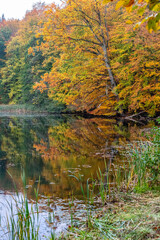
(55, 149)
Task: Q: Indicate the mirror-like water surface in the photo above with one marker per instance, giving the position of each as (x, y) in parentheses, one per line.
(57, 148)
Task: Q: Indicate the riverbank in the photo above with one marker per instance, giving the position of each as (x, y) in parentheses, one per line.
(129, 216)
(20, 109)
(26, 109)
(31, 109)
(131, 205)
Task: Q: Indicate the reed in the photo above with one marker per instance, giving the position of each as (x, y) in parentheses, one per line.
(22, 221)
(23, 218)
(145, 161)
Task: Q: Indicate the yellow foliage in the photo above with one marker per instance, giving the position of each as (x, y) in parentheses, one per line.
(31, 51)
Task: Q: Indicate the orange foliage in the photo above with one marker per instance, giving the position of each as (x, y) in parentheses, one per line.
(76, 34)
(79, 76)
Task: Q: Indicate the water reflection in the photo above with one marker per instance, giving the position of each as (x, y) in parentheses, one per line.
(53, 148)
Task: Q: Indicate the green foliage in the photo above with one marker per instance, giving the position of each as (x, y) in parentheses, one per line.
(23, 69)
(7, 29)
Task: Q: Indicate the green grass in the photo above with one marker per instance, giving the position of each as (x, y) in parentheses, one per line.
(140, 172)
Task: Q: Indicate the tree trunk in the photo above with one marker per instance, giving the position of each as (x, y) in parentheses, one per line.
(112, 80)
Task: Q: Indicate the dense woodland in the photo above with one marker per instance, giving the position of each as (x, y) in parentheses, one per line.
(86, 56)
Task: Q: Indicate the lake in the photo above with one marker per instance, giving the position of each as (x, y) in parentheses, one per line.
(54, 152)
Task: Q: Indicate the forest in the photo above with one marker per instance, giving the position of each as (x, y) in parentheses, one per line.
(95, 56)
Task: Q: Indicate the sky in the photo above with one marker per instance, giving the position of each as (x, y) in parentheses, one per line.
(17, 8)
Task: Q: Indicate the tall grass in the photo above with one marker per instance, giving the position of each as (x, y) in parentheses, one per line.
(23, 219)
(144, 161)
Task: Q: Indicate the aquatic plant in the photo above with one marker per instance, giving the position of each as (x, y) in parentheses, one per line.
(145, 160)
(23, 219)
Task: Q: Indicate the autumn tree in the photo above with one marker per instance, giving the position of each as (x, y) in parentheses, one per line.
(82, 74)
(135, 56)
(85, 55)
(78, 32)
(92, 19)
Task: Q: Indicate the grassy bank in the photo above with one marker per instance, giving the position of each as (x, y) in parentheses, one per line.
(131, 216)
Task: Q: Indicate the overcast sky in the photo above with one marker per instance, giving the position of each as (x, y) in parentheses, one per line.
(17, 8)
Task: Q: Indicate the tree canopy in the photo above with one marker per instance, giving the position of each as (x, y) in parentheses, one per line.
(83, 56)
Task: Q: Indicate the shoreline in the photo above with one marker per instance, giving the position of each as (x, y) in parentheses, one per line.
(130, 216)
(31, 110)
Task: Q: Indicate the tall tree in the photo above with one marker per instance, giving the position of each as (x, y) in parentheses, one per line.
(135, 57)
(79, 72)
(8, 28)
(79, 31)
(17, 75)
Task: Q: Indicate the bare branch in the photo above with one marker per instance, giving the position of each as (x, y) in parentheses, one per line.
(85, 40)
(80, 10)
(76, 25)
(105, 23)
(104, 95)
(91, 51)
(90, 26)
